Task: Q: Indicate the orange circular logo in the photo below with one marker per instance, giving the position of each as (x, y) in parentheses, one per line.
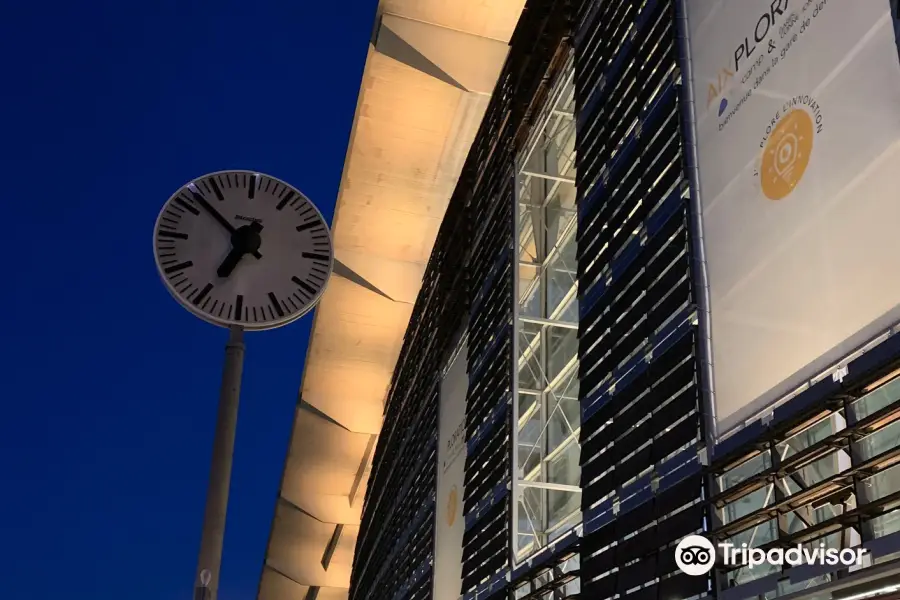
(452, 502)
(786, 155)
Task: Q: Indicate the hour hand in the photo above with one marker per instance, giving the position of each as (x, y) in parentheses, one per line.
(245, 240)
(230, 262)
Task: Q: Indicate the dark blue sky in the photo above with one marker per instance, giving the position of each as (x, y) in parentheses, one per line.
(108, 388)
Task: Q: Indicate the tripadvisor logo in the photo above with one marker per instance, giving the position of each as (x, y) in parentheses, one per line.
(787, 146)
(696, 555)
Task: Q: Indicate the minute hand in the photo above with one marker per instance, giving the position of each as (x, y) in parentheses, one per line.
(199, 199)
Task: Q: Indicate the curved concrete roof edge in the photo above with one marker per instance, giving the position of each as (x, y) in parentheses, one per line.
(429, 71)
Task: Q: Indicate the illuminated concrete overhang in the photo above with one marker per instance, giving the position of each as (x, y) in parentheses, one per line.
(429, 72)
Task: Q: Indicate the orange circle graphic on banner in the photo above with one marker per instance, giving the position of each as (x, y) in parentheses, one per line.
(452, 501)
(786, 155)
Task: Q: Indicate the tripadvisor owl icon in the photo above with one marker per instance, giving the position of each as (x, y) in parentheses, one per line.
(695, 555)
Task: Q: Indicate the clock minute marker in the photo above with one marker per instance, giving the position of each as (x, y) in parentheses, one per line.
(172, 234)
(187, 205)
(310, 225)
(238, 307)
(206, 290)
(285, 200)
(304, 285)
(275, 305)
(216, 189)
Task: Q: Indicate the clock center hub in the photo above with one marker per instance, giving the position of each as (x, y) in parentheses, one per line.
(246, 239)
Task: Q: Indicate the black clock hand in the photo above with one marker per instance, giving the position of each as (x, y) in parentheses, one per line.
(230, 262)
(199, 199)
(245, 240)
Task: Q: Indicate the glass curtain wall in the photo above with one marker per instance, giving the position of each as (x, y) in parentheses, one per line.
(546, 449)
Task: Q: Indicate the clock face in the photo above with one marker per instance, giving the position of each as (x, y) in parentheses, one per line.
(243, 248)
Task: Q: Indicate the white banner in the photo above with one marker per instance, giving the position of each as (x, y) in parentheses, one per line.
(798, 119)
(451, 456)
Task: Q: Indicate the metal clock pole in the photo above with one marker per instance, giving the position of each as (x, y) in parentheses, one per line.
(214, 277)
(206, 581)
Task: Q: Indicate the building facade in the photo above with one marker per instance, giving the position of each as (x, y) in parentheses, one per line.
(550, 430)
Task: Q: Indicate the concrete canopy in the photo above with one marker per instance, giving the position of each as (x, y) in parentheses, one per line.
(429, 73)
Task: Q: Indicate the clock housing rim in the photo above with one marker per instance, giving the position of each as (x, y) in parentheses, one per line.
(229, 323)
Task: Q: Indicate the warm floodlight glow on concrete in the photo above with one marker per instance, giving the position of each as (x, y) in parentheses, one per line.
(431, 67)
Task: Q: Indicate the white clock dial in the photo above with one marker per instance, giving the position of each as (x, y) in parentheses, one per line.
(243, 248)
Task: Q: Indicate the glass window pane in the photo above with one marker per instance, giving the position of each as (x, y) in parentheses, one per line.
(529, 291)
(564, 468)
(745, 471)
(563, 347)
(527, 521)
(754, 537)
(560, 276)
(560, 220)
(880, 441)
(529, 228)
(526, 403)
(563, 422)
(530, 442)
(747, 504)
(806, 438)
(820, 470)
(875, 401)
(880, 485)
(531, 374)
(569, 312)
(565, 411)
(562, 507)
(882, 525)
